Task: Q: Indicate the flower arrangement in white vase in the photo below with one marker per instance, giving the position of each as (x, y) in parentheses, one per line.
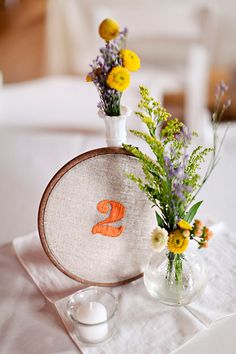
(110, 73)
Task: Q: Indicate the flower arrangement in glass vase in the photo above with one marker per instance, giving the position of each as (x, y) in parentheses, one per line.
(110, 73)
(171, 180)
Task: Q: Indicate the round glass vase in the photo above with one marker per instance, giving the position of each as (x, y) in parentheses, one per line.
(170, 288)
(115, 127)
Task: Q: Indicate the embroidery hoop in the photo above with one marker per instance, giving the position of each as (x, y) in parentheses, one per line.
(51, 211)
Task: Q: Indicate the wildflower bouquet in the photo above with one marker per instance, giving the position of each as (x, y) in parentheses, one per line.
(110, 71)
(172, 180)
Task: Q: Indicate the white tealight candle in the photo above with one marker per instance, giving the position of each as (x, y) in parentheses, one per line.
(91, 314)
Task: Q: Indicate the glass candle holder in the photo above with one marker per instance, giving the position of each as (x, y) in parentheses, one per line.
(93, 312)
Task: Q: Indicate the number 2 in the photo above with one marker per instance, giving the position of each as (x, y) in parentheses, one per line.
(117, 212)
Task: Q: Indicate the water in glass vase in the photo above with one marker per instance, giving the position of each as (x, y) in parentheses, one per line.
(170, 288)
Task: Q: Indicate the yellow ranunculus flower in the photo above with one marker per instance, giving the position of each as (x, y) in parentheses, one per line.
(177, 243)
(108, 29)
(118, 78)
(184, 225)
(130, 60)
(88, 78)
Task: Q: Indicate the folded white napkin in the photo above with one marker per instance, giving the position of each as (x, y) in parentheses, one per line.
(219, 298)
(143, 324)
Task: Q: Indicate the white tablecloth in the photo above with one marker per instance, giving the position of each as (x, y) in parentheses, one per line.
(30, 324)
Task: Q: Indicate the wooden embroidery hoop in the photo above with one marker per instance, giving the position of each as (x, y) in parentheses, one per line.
(43, 204)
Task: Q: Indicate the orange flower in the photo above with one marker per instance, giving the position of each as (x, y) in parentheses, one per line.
(198, 232)
(199, 224)
(205, 245)
(209, 234)
(186, 233)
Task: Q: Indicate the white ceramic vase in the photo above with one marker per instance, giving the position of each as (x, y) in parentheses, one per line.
(115, 126)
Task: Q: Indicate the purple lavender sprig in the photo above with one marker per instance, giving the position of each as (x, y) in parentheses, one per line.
(107, 59)
(220, 108)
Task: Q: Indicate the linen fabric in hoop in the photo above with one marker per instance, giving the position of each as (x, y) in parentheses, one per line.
(94, 223)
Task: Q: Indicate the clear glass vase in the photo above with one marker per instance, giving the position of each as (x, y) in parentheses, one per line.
(170, 288)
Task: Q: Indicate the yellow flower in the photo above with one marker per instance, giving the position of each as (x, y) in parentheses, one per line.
(89, 78)
(118, 78)
(177, 243)
(184, 225)
(108, 29)
(130, 59)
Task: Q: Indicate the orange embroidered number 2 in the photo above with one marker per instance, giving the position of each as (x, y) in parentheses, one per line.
(117, 212)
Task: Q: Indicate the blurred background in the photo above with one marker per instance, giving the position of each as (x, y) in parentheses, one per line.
(48, 112)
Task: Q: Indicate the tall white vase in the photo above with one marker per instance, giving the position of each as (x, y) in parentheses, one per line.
(115, 127)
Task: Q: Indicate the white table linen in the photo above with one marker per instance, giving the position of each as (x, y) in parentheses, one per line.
(144, 325)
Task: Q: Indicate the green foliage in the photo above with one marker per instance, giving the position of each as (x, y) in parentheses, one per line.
(155, 183)
(160, 221)
(178, 269)
(152, 113)
(192, 212)
(171, 179)
(173, 127)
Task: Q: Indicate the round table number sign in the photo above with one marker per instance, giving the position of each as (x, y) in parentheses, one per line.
(94, 223)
